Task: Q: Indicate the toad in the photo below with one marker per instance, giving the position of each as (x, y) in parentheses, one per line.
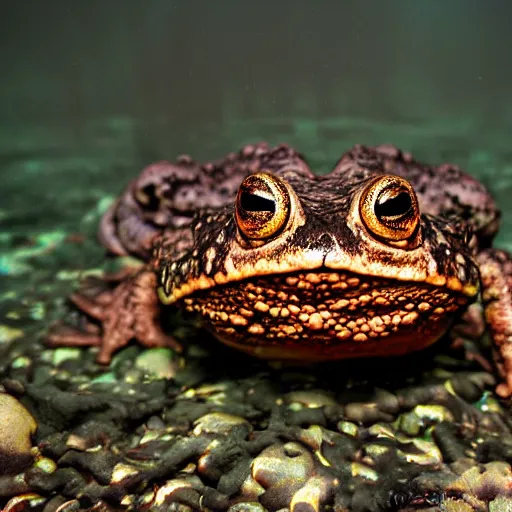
(379, 257)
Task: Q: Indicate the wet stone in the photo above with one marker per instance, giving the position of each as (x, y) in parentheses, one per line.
(310, 399)
(247, 507)
(155, 423)
(501, 504)
(17, 426)
(220, 423)
(421, 452)
(411, 424)
(365, 413)
(65, 354)
(159, 363)
(348, 428)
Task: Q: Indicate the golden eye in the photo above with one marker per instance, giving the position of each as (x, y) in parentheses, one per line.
(262, 206)
(389, 208)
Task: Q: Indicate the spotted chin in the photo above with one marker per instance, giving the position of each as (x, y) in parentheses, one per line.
(323, 315)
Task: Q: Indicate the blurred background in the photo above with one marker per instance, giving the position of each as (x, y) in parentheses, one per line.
(92, 90)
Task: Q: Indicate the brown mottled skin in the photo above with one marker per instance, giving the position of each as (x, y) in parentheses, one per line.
(377, 257)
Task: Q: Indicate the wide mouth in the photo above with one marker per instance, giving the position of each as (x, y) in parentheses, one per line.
(323, 308)
(177, 283)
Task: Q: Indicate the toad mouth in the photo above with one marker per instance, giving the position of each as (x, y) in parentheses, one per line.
(328, 310)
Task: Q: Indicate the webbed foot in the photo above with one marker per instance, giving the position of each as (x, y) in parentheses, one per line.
(129, 311)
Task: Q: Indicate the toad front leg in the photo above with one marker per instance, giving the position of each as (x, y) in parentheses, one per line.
(496, 274)
(129, 311)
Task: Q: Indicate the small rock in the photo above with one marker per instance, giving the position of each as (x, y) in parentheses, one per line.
(64, 353)
(8, 334)
(434, 413)
(219, 423)
(25, 501)
(16, 427)
(348, 428)
(310, 399)
(247, 507)
(158, 362)
(501, 504)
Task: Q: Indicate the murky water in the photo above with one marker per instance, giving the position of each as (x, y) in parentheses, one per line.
(92, 91)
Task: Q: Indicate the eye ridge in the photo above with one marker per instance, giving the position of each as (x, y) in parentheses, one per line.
(396, 206)
(255, 203)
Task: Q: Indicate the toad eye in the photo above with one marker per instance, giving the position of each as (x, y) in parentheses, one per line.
(389, 208)
(262, 206)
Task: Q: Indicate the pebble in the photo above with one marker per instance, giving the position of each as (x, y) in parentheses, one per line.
(219, 423)
(159, 363)
(8, 333)
(45, 464)
(348, 428)
(247, 507)
(433, 413)
(17, 426)
(410, 423)
(422, 452)
(310, 399)
(66, 353)
(26, 501)
(500, 504)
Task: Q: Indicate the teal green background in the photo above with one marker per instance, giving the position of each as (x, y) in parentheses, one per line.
(91, 91)
(198, 60)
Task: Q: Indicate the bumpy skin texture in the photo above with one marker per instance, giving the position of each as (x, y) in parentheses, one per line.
(496, 274)
(166, 197)
(323, 286)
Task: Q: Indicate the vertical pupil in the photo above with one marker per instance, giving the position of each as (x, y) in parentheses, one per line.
(394, 206)
(255, 203)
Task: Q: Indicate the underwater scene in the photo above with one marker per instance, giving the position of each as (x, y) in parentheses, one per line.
(256, 256)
